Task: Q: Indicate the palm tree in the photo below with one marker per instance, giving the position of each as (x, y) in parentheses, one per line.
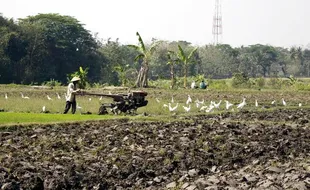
(145, 55)
(185, 60)
(172, 61)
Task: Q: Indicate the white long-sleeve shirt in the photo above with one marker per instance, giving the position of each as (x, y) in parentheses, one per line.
(71, 92)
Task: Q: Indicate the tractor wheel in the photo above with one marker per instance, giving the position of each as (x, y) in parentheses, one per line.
(102, 110)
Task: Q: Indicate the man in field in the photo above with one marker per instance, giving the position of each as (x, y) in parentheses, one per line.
(203, 85)
(71, 93)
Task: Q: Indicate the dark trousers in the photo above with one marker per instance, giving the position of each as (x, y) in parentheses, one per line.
(68, 105)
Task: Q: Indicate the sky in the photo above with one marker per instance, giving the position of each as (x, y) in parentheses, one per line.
(284, 23)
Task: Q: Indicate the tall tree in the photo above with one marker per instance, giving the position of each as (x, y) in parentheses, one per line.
(12, 51)
(145, 55)
(185, 61)
(297, 56)
(263, 56)
(68, 44)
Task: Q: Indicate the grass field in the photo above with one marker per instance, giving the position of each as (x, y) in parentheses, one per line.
(34, 118)
(18, 110)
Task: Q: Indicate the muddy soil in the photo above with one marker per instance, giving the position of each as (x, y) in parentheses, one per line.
(248, 150)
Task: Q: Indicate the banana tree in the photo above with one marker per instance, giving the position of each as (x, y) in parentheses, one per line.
(172, 60)
(82, 73)
(185, 60)
(145, 55)
(121, 71)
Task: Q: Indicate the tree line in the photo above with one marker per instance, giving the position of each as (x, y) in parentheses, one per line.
(48, 47)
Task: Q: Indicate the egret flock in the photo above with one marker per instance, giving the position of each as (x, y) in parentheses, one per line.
(187, 106)
(202, 106)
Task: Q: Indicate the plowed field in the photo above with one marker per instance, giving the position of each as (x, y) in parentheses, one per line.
(244, 150)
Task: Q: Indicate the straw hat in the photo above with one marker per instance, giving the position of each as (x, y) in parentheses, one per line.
(75, 79)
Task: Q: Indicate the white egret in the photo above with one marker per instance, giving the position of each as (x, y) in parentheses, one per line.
(43, 109)
(256, 103)
(242, 104)
(24, 97)
(48, 97)
(273, 102)
(200, 102)
(217, 105)
(299, 104)
(89, 99)
(193, 85)
(173, 108)
(78, 107)
(100, 98)
(189, 99)
(157, 100)
(228, 104)
(6, 96)
(58, 96)
(283, 102)
(197, 105)
(187, 108)
(212, 103)
(210, 108)
(172, 100)
(203, 108)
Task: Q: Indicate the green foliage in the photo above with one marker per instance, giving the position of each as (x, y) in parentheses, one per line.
(97, 85)
(82, 73)
(302, 86)
(144, 55)
(240, 80)
(121, 71)
(199, 78)
(52, 83)
(275, 83)
(260, 82)
(44, 46)
(292, 79)
(217, 84)
(160, 83)
(185, 60)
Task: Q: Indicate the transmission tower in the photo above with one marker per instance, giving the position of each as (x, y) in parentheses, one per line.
(217, 23)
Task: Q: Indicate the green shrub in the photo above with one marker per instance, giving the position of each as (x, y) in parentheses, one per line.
(52, 83)
(302, 86)
(275, 83)
(97, 85)
(260, 82)
(286, 83)
(240, 80)
(160, 83)
(217, 84)
(292, 79)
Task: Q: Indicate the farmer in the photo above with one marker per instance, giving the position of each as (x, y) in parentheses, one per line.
(203, 85)
(70, 97)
